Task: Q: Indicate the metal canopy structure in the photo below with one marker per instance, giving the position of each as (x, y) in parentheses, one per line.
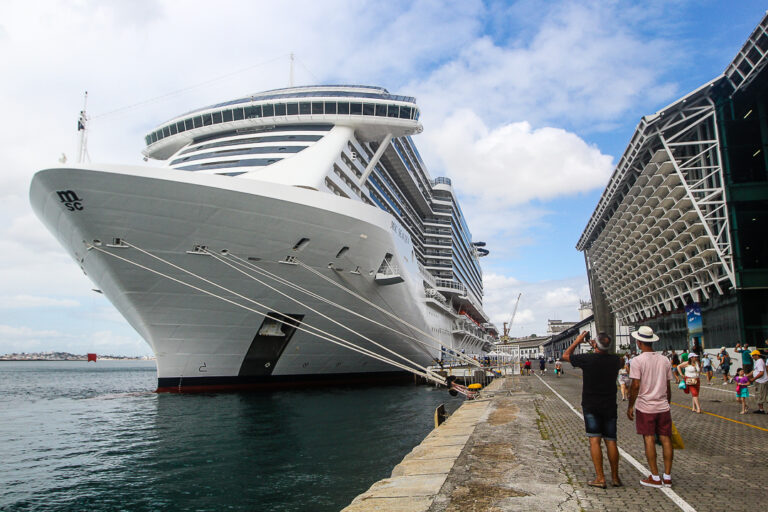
(660, 236)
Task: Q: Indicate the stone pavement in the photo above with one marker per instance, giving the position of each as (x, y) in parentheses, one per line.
(521, 447)
(724, 465)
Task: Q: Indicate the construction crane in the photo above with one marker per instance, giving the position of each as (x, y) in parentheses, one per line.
(508, 325)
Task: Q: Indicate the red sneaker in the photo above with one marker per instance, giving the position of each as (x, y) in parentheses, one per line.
(667, 481)
(650, 482)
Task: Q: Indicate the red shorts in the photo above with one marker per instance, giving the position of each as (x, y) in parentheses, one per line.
(651, 423)
(693, 390)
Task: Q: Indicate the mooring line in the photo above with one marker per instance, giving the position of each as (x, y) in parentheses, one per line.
(680, 502)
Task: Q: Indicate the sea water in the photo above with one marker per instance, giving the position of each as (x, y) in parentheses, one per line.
(81, 436)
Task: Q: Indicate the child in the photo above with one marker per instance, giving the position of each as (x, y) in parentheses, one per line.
(742, 389)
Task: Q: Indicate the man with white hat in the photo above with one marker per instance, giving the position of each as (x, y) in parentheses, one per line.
(759, 377)
(650, 373)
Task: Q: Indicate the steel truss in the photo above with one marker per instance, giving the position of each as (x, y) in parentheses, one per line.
(660, 237)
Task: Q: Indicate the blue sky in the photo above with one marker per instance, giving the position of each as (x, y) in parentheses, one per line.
(526, 105)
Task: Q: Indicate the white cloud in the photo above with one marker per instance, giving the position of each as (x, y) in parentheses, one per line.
(31, 301)
(514, 163)
(584, 63)
(539, 302)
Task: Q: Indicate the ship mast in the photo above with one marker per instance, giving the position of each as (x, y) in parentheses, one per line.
(81, 127)
(290, 77)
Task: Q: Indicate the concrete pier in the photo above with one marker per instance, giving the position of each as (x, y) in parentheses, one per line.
(521, 446)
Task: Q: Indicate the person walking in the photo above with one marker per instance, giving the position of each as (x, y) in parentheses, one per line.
(675, 360)
(598, 402)
(746, 357)
(759, 377)
(691, 372)
(725, 364)
(624, 381)
(542, 365)
(649, 398)
(706, 367)
(742, 389)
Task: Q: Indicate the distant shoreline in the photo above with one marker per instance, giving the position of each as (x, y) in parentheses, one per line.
(83, 360)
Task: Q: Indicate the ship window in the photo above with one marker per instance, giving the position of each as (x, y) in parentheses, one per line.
(166, 131)
(280, 109)
(405, 112)
(317, 107)
(392, 111)
(148, 139)
(207, 120)
(381, 110)
(368, 109)
(237, 113)
(343, 107)
(198, 121)
(356, 109)
(416, 114)
(304, 107)
(173, 129)
(154, 136)
(330, 107)
(216, 117)
(226, 115)
(253, 111)
(269, 110)
(180, 126)
(293, 109)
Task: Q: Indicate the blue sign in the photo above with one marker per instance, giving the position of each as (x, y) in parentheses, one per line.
(693, 318)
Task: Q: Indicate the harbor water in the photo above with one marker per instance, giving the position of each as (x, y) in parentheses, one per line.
(94, 436)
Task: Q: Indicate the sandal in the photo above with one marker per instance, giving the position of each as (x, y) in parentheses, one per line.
(595, 483)
(617, 483)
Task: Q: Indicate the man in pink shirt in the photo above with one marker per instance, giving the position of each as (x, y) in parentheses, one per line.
(649, 397)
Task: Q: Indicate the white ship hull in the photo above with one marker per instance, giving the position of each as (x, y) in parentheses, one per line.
(201, 340)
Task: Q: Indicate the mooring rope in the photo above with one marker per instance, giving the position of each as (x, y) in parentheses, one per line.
(302, 326)
(388, 313)
(297, 301)
(325, 300)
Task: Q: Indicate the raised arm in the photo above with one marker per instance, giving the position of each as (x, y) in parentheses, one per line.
(569, 351)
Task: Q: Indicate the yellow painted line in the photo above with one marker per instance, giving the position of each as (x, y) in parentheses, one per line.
(722, 417)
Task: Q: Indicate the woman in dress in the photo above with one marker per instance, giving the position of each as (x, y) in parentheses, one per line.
(691, 371)
(624, 380)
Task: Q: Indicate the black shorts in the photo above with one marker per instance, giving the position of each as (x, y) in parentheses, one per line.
(599, 424)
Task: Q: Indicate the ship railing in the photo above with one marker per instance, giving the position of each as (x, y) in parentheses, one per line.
(426, 275)
(453, 285)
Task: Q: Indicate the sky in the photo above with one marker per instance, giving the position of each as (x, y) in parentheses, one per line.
(526, 106)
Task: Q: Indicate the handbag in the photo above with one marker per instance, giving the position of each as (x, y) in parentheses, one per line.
(691, 381)
(681, 385)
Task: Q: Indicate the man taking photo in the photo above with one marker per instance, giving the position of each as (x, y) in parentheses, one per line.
(598, 402)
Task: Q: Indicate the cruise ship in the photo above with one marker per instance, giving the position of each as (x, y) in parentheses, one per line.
(288, 237)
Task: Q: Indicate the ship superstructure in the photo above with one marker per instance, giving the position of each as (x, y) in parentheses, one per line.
(319, 191)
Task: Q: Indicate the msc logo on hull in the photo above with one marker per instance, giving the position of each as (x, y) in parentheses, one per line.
(70, 200)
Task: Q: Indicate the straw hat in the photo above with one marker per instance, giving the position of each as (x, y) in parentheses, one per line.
(645, 334)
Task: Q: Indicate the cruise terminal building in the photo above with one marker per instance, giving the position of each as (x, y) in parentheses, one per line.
(681, 227)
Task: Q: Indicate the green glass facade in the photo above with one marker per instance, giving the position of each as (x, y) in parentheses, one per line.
(743, 123)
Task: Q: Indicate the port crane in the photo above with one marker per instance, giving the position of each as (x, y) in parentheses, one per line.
(508, 325)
